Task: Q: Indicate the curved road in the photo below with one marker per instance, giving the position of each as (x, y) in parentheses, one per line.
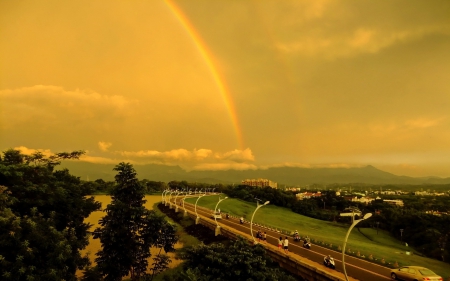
(356, 268)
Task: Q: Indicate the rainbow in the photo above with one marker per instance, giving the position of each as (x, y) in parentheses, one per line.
(208, 58)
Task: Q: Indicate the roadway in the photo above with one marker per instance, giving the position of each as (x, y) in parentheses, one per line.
(355, 267)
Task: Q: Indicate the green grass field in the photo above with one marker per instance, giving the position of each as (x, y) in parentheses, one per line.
(328, 234)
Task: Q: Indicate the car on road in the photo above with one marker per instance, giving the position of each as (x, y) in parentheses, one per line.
(216, 215)
(414, 273)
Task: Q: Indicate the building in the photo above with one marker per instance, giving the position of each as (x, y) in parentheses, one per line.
(363, 199)
(394, 202)
(260, 183)
(307, 195)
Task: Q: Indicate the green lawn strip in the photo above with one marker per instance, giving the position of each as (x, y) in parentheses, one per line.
(366, 241)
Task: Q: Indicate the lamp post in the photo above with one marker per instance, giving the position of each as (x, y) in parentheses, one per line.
(170, 197)
(182, 200)
(195, 208)
(176, 206)
(178, 193)
(366, 216)
(251, 222)
(215, 210)
(163, 195)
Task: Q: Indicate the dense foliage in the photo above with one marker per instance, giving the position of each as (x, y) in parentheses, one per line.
(237, 261)
(428, 233)
(42, 214)
(129, 230)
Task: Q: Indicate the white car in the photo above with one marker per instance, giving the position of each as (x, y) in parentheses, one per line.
(216, 215)
(410, 273)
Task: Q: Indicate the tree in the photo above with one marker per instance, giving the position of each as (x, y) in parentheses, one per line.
(12, 156)
(129, 230)
(42, 218)
(238, 261)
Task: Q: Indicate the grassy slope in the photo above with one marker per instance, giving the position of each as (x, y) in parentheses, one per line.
(366, 241)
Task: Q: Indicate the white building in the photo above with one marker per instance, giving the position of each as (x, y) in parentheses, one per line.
(394, 202)
(363, 199)
(307, 195)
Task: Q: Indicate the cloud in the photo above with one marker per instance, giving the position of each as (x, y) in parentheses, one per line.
(29, 151)
(184, 155)
(409, 125)
(50, 106)
(104, 145)
(172, 155)
(422, 123)
(224, 166)
(103, 160)
(330, 30)
(86, 157)
(196, 159)
(360, 40)
(237, 155)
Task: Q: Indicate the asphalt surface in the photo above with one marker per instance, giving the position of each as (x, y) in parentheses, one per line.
(355, 267)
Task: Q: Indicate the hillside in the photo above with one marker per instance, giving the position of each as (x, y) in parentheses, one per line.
(284, 175)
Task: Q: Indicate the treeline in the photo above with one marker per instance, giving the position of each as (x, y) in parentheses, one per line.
(99, 186)
(42, 229)
(366, 187)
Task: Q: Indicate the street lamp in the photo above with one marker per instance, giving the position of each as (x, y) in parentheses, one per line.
(215, 210)
(178, 193)
(251, 222)
(182, 200)
(195, 208)
(163, 195)
(170, 197)
(366, 216)
(176, 206)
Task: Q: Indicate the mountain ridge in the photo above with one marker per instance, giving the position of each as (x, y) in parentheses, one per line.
(292, 176)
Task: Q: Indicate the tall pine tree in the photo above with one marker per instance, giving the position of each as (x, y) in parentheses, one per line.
(129, 230)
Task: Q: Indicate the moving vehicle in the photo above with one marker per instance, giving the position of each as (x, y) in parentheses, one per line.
(216, 215)
(328, 261)
(306, 244)
(296, 236)
(241, 220)
(412, 273)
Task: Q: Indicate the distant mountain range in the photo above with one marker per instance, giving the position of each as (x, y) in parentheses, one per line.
(291, 176)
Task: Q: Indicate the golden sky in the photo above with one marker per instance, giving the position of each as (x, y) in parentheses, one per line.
(230, 84)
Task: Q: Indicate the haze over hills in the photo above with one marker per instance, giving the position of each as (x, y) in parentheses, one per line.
(292, 176)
